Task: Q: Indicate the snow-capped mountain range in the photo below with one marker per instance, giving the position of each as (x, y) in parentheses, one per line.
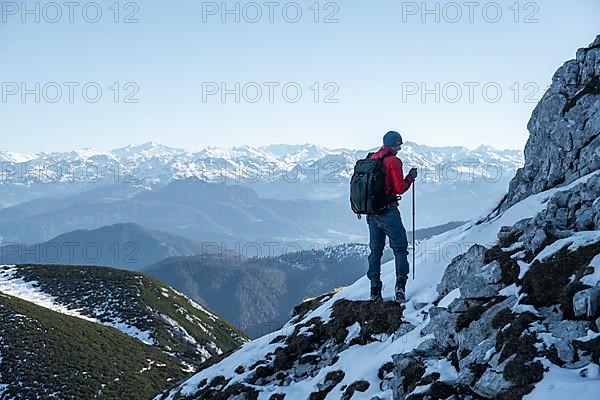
(474, 179)
(152, 163)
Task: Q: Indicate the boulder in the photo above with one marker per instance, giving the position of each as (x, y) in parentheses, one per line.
(482, 329)
(408, 370)
(569, 330)
(479, 353)
(565, 351)
(460, 267)
(442, 324)
(586, 303)
(460, 305)
(491, 384)
(484, 284)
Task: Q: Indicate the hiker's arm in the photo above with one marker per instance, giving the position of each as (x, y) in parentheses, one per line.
(400, 184)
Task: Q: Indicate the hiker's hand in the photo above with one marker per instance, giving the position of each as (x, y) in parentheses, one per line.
(413, 173)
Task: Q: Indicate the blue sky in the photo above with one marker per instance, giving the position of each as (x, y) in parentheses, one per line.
(374, 62)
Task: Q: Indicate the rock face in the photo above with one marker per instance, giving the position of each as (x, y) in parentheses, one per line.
(564, 141)
(495, 341)
(571, 211)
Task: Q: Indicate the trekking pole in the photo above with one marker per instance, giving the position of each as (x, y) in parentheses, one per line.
(413, 229)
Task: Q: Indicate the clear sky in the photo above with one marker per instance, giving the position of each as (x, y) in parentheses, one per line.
(373, 63)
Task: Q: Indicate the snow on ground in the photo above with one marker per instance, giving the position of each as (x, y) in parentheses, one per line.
(3, 386)
(449, 298)
(17, 287)
(561, 383)
(180, 331)
(594, 278)
(575, 241)
(11, 285)
(197, 306)
(432, 257)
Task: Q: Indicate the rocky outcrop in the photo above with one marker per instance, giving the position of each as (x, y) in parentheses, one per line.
(567, 212)
(564, 141)
(494, 339)
(527, 298)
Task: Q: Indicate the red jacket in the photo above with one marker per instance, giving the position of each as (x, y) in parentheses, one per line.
(395, 182)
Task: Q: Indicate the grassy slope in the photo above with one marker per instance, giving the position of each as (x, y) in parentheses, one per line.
(45, 353)
(226, 337)
(129, 296)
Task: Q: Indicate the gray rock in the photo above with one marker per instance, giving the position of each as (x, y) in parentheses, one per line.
(491, 384)
(404, 328)
(565, 351)
(564, 141)
(403, 365)
(430, 347)
(481, 329)
(584, 218)
(442, 324)
(460, 267)
(586, 302)
(465, 377)
(303, 370)
(477, 288)
(484, 284)
(598, 324)
(561, 218)
(596, 209)
(460, 305)
(561, 199)
(505, 233)
(478, 354)
(568, 330)
(537, 241)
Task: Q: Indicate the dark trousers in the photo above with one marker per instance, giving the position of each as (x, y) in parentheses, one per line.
(387, 224)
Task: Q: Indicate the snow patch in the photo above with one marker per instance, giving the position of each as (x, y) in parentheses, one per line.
(560, 383)
(575, 241)
(11, 285)
(449, 298)
(594, 278)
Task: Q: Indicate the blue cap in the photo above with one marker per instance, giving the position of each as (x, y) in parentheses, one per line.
(391, 138)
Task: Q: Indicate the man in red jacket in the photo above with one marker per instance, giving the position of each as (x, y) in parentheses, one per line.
(389, 223)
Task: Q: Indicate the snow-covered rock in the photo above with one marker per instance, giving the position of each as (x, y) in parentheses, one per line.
(586, 303)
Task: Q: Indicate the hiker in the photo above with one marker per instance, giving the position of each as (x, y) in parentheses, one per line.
(380, 204)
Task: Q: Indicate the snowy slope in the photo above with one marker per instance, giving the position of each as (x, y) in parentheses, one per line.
(144, 309)
(362, 362)
(15, 286)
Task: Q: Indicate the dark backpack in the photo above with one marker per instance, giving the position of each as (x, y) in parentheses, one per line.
(367, 186)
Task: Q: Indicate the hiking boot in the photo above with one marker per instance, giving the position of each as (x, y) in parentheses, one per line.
(401, 289)
(376, 294)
